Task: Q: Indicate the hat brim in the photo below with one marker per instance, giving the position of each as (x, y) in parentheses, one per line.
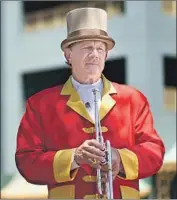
(108, 40)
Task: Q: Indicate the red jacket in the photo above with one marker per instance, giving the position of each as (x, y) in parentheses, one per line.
(56, 122)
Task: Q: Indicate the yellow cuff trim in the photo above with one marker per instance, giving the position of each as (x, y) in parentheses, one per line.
(130, 164)
(62, 166)
(62, 192)
(129, 192)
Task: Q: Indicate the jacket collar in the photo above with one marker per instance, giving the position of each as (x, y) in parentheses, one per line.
(76, 104)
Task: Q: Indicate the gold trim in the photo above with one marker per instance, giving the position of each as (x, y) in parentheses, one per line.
(98, 197)
(62, 192)
(89, 178)
(94, 196)
(74, 102)
(129, 192)
(90, 196)
(91, 130)
(130, 164)
(77, 105)
(107, 104)
(108, 87)
(62, 166)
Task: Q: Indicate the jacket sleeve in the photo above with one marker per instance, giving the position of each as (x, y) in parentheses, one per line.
(145, 157)
(35, 163)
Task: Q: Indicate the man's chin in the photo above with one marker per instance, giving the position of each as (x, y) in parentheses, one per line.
(93, 70)
(92, 73)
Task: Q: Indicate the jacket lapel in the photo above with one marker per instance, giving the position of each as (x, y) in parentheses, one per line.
(76, 104)
(107, 102)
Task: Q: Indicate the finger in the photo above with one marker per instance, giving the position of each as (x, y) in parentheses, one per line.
(94, 150)
(114, 175)
(115, 172)
(88, 155)
(104, 168)
(96, 144)
(115, 165)
(104, 178)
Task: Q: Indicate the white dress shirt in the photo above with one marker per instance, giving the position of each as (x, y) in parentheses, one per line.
(86, 95)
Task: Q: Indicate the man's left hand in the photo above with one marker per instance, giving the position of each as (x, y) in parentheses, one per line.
(116, 163)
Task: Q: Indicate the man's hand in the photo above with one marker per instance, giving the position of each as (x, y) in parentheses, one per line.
(116, 165)
(116, 162)
(90, 152)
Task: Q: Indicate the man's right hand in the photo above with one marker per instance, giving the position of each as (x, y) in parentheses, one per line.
(90, 152)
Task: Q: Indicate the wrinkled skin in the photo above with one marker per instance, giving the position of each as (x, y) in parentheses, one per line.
(87, 60)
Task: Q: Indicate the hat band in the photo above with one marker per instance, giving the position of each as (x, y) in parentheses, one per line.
(87, 32)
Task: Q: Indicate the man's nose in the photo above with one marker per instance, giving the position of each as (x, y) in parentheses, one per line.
(94, 53)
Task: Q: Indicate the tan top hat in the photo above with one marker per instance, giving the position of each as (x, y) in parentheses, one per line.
(87, 24)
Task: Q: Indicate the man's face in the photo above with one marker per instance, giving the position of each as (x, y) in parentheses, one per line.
(87, 59)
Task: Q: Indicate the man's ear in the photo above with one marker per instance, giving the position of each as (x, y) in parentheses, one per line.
(106, 55)
(67, 53)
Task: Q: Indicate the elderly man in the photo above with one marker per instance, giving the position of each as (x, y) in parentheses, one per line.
(56, 143)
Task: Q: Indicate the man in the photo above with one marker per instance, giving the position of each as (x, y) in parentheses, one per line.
(56, 142)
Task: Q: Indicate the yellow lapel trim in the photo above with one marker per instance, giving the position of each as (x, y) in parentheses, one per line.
(74, 101)
(77, 105)
(107, 102)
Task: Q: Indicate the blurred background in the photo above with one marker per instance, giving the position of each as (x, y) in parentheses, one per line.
(144, 57)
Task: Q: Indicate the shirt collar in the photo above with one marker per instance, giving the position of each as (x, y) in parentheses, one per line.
(79, 86)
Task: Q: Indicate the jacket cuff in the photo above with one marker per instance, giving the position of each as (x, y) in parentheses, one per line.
(62, 166)
(130, 164)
